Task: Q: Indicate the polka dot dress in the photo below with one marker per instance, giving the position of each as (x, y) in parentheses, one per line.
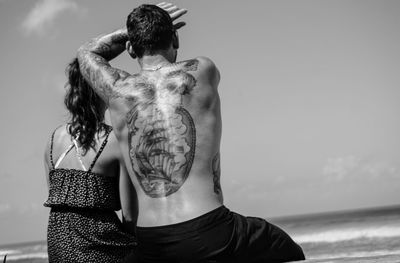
(83, 225)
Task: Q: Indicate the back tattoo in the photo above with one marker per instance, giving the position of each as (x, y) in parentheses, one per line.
(161, 132)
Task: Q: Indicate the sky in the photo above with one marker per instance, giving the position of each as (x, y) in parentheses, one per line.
(309, 91)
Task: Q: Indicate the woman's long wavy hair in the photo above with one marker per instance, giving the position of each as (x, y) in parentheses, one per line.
(85, 106)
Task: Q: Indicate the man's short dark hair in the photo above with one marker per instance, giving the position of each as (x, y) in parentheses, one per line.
(150, 29)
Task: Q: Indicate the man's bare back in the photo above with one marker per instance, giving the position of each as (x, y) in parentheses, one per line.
(168, 124)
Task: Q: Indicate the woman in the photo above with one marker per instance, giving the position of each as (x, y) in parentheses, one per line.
(87, 183)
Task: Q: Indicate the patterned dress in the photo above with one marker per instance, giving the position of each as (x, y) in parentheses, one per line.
(83, 225)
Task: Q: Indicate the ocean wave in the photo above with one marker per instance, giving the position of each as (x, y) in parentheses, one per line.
(359, 254)
(4, 252)
(337, 235)
(42, 255)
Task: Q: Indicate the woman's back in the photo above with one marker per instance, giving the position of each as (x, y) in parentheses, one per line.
(106, 164)
(83, 197)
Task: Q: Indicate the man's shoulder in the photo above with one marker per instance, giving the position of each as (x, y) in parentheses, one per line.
(209, 69)
(203, 68)
(198, 63)
(205, 61)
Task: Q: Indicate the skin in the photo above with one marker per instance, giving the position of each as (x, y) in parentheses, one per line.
(167, 121)
(110, 163)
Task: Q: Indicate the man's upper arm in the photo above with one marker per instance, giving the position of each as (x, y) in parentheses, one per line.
(106, 81)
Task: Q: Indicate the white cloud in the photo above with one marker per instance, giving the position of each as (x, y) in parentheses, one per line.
(44, 13)
(342, 168)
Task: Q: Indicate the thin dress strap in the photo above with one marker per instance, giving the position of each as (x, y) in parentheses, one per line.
(51, 147)
(109, 129)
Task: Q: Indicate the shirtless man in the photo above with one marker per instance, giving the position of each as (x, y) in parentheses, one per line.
(168, 123)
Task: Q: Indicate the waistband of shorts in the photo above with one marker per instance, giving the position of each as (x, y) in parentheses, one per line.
(187, 228)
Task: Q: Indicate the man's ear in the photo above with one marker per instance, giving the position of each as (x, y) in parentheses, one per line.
(129, 48)
(175, 40)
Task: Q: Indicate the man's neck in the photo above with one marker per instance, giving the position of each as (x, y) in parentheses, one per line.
(155, 62)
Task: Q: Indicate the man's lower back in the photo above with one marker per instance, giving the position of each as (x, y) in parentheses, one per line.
(195, 198)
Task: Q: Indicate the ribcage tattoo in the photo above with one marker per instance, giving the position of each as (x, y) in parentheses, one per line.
(216, 169)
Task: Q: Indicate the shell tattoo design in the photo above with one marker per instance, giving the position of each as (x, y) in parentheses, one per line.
(162, 136)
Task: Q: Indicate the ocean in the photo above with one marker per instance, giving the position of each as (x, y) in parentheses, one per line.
(369, 235)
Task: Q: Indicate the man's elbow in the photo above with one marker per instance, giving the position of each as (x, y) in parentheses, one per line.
(82, 52)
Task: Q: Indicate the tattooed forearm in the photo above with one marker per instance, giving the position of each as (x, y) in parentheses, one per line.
(108, 46)
(216, 169)
(93, 59)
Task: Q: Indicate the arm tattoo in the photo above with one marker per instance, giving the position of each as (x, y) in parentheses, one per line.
(216, 169)
(162, 133)
(93, 59)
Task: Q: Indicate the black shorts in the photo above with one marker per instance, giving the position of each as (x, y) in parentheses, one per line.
(217, 236)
